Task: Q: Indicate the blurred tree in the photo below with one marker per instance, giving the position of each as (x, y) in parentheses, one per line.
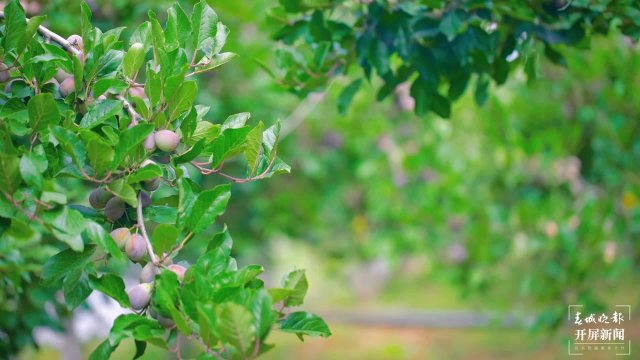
(439, 46)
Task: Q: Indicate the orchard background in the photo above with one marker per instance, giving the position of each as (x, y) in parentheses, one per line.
(460, 173)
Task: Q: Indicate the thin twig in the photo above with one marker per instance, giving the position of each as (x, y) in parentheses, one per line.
(132, 113)
(177, 248)
(152, 254)
(204, 171)
(31, 217)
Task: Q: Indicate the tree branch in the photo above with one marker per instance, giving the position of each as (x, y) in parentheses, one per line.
(178, 247)
(127, 106)
(152, 254)
(204, 171)
(53, 36)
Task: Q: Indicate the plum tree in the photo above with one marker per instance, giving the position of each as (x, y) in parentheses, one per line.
(99, 128)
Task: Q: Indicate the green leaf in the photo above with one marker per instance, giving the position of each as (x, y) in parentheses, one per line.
(204, 23)
(103, 351)
(133, 59)
(75, 288)
(270, 139)
(85, 25)
(279, 294)
(178, 29)
(67, 225)
(304, 323)
(129, 139)
(111, 285)
(205, 130)
(231, 142)
(253, 147)
(236, 121)
(236, 327)
(31, 29)
(142, 35)
(157, 34)
(207, 321)
(99, 151)
(15, 25)
(208, 205)
(102, 111)
(31, 175)
(125, 192)
(141, 347)
(296, 281)
(64, 262)
(147, 172)
(71, 144)
(163, 238)
(220, 39)
(208, 64)
(346, 96)
(109, 85)
(261, 308)
(190, 154)
(182, 99)
(160, 214)
(482, 85)
(43, 111)
(450, 24)
(138, 327)
(97, 234)
(9, 176)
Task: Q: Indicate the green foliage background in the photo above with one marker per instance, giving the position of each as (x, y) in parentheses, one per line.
(539, 186)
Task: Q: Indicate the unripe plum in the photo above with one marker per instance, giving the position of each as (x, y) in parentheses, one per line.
(99, 198)
(114, 209)
(62, 75)
(163, 159)
(150, 143)
(136, 247)
(4, 73)
(167, 140)
(145, 199)
(148, 273)
(138, 92)
(151, 184)
(178, 270)
(140, 295)
(165, 322)
(67, 86)
(121, 236)
(76, 41)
